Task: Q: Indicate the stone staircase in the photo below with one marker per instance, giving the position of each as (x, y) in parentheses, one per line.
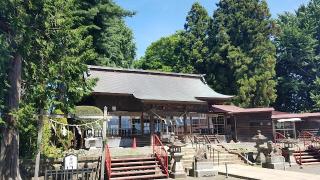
(308, 157)
(142, 141)
(221, 156)
(200, 139)
(188, 157)
(136, 168)
(212, 139)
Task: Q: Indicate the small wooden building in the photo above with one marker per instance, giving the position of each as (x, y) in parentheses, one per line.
(291, 124)
(242, 124)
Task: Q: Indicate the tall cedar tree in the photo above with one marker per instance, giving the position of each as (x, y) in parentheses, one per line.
(194, 49)
(44, 54)
(112, 39)
(185, 51)
(242, 60)
(298, 63)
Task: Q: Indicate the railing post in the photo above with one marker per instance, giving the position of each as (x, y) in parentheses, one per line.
(226, 170)
(213, 155)
(218, 157)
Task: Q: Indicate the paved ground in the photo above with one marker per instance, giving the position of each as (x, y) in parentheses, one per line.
(312, 169)
(267, 174)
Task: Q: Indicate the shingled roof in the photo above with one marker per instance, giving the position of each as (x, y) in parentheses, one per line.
(153, 85)
(231, 109)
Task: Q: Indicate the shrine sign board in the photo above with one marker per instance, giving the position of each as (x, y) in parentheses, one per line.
(70, 162)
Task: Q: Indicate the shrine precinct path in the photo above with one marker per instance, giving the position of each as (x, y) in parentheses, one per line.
(251, 172)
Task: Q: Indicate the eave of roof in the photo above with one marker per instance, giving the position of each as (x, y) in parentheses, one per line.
(231, 109)
(294, 115)
(140, 71)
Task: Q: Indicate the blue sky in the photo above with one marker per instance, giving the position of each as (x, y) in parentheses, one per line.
(158, 18)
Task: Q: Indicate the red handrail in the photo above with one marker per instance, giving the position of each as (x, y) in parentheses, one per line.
(278, 137)
(307, 137)
(161, 154)
(108, 161)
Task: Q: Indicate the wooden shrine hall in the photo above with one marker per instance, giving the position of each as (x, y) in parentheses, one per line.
(145, 102)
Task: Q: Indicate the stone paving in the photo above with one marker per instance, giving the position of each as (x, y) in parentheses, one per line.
(311, 169)
(267, 174)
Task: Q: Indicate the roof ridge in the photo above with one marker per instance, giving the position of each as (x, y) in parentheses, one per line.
(153, 72)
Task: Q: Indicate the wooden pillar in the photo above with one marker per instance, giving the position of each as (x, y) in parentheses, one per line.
(142, 124)
(104, 140)
(39, 139)
(120, 128)
(208, 122)
(191, 125)
(152, 127)
(185, 126)
(235, 128)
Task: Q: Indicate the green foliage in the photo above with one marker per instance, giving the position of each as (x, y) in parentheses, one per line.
(5, 55)
(112, 39)
(242, 56)
(185, 51)
(195, 50)
(54, 141)
(234, 50)
(28, 131)
(87, 111)
(315, 95)
(298, 59)
(163, 55)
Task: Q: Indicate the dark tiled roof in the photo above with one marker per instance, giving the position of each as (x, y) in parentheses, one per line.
(153, 85)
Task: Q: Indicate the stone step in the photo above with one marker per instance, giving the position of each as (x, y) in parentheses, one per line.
(156, 176)
(137, 172)
(132, 159)
(311, 163)
(310, 160)
(133, 163)
(134, 168)
(308, 156)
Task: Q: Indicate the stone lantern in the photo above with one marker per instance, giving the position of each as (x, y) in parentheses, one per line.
(289, 149)
(177, 170)
(260, 140)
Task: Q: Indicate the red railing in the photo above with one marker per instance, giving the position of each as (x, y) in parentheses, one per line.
(299, 161)
(108, 162)
(306, 137)
(279, 137)
(309, 139)
(160, 153)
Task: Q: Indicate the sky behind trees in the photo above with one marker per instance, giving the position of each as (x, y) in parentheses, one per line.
(158, 18)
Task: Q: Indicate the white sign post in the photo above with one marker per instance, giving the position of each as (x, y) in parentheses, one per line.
(70, 162)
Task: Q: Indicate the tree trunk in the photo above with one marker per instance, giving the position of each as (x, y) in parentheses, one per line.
(9, 156)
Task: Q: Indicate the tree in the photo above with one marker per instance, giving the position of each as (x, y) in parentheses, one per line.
(242, 56)
(164, 55)
(298, 59)
(11, 26)
(112, 39)
(185, 51)
(44, 54)
(195, 50)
